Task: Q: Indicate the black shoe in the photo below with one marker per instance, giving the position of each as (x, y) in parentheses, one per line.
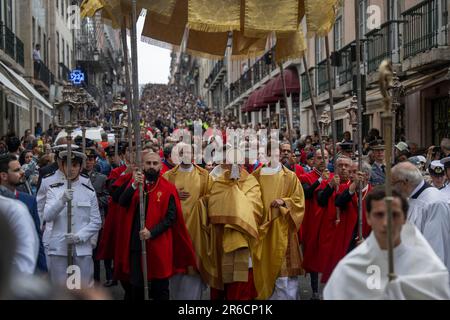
(315, 296)
(110, 283)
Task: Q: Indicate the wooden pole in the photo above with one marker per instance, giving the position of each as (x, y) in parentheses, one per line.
(359, 104)
(128, 88)
(330, 95)
(288, 115)
(69, 203)
(386, 76)
(137, 134)
(314, 109)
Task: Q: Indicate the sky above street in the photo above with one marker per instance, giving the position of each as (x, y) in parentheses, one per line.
(153, 61)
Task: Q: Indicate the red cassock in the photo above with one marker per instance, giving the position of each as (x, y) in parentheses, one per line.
(310, 227)
(344, 233)
(107, 241)
(169, 253)
(328, 228)
(299, 171)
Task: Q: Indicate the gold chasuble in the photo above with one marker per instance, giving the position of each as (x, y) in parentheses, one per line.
(194, 181)
(224, 228)
(278, 252)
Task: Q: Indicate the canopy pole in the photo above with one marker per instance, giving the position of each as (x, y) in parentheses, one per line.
(330, 95)
(359, 105)
(314, 109)
(128, 86)
(288, 115)
(386, 76)
(137, 134)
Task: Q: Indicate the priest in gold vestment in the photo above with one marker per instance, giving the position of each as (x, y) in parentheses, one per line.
(192, 183)
(277, 260)
(224, 229)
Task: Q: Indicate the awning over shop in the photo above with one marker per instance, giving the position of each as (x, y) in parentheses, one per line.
(292, 83)
(41, 102)
(249, 103)
(13, 94)
(267, 93)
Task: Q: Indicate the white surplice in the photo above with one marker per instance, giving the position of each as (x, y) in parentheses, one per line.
(430, 213)
(363, 273)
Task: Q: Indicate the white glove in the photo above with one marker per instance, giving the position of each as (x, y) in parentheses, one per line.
(67, 195)
(72, 238)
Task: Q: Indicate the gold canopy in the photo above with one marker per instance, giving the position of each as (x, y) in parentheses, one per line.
(209, 23)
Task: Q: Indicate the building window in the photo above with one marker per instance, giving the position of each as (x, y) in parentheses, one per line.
(9, 14)
(441, 119)
(68, 55)
(338, 34)
(33, 23)
(319, 49)
(62, 8)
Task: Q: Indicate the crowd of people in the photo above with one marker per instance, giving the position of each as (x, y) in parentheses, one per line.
(244, 231)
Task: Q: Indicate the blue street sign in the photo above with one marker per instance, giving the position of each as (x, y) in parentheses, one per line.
(76, 77)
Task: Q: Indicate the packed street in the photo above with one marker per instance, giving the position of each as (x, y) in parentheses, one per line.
(264, 166)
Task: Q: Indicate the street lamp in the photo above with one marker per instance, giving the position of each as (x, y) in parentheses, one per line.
(117, 114)
(324, 124)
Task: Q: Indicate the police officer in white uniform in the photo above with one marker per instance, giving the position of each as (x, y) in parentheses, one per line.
(86, 222)
(49, 179)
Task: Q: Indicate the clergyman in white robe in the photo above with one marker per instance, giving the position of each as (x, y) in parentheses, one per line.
(430, 213)
(363, 273)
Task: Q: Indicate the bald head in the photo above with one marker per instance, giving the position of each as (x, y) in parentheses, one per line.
(152, 163)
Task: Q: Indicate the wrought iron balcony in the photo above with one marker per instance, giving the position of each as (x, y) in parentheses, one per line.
(260, 69)
(9, 39)
(20, 52)
(11, 44)
(64, 71)
(422, 27)
(45, 75)
(381, 44)
(322, 77)
(345, 69)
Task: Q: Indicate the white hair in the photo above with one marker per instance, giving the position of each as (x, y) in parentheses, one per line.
(411, 175)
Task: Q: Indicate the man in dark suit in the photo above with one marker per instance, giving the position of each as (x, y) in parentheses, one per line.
(378, 174)
(11, 175)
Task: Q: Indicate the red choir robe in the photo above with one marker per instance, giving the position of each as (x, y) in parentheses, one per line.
(169, 253)
(328, 228)
(309, 229)
(107, 241)
(299, 171)
(344, 232)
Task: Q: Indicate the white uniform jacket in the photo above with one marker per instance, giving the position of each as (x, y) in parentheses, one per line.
(86, 220)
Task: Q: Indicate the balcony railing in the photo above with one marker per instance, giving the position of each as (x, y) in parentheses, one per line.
(322, 77)
(11, 44)
(344, 71)
(19, 52)
(380, 45)
(422, 27)
(45, 75)
(215, 71)
(64, 71)
(260, 69)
